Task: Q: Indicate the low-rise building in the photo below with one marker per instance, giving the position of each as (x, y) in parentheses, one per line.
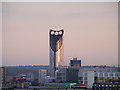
(90, 75)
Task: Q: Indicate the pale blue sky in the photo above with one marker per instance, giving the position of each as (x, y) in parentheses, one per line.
(91, 32)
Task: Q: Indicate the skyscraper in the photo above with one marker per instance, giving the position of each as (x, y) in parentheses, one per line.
(56, 50)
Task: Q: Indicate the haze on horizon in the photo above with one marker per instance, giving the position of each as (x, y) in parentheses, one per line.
(91, 32)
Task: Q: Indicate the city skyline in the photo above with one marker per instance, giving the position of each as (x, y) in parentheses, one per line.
(91, 31)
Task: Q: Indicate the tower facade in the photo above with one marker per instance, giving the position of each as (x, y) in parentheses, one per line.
(56, 50)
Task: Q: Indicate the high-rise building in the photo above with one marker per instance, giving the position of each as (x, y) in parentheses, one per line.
(56, 50)
(75, 62)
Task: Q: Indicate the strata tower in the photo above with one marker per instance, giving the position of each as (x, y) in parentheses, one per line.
(56, 50)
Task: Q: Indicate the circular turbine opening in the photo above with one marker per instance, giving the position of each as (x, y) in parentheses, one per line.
(60, 32)
(52, 32)
(56, 33)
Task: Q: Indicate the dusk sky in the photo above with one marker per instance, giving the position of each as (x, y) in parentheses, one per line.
(91, 32)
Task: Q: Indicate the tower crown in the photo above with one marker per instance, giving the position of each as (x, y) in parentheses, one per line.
(56, 39)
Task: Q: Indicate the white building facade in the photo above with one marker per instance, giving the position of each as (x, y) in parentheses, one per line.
(88, 76)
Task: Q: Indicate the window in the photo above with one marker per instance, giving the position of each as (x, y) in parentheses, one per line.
(85, 78)
(85, 82)
(101, 74)
(80, 78)
(111, 74)
(106, 74)
(85, 74)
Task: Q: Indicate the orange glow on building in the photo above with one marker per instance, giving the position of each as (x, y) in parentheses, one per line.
(58, 52)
